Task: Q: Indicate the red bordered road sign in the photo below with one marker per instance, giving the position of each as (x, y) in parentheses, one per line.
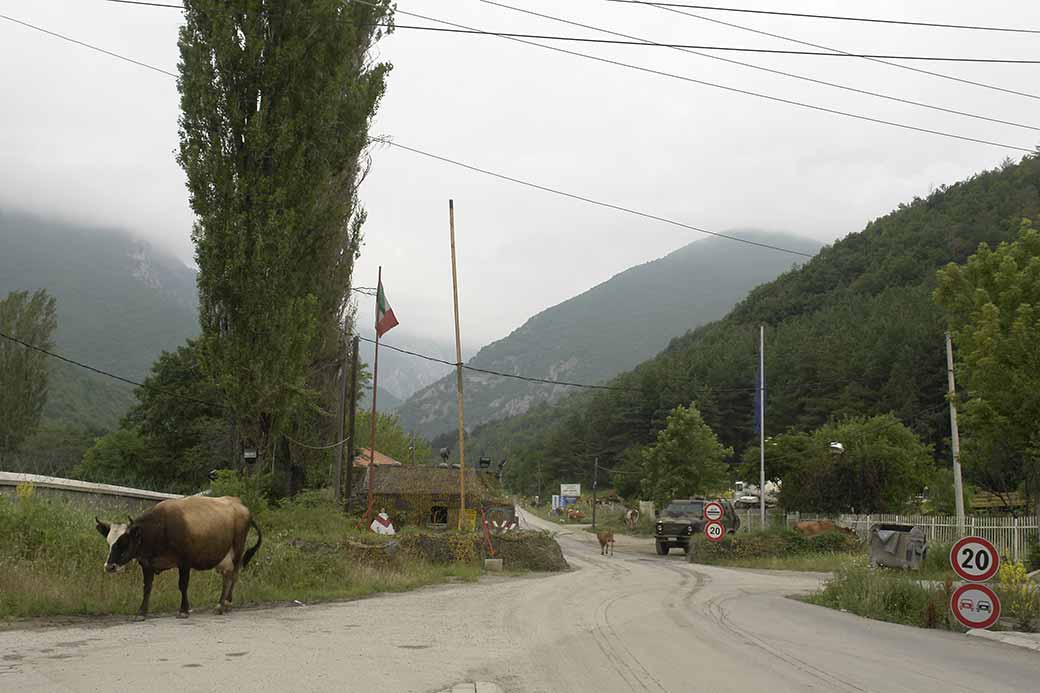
(714, 531)
(975, 606)
(974, 559)
(713, 511)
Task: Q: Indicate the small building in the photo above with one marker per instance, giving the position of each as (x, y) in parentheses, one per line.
(423, 496)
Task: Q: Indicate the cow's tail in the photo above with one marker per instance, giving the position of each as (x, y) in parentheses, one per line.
(259, 538)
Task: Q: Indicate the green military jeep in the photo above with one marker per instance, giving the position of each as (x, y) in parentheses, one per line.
(684, 518)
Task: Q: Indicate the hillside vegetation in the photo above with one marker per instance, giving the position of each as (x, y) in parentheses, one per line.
(607, 329)
(855, 332)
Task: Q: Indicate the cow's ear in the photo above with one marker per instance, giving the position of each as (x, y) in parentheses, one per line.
(136, 532)
(102, 528)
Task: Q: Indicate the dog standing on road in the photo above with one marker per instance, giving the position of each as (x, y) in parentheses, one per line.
(606, 540)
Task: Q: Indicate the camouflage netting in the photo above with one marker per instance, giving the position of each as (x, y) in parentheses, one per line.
(528, 551)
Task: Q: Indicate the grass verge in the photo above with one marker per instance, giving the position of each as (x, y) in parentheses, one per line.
(51, 562)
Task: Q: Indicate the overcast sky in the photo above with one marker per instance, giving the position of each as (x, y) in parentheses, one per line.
(89, 138)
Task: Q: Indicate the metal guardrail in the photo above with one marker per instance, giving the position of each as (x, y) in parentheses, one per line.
(14, 479)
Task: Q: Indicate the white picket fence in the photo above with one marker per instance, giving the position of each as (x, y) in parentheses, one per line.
(1011, 535)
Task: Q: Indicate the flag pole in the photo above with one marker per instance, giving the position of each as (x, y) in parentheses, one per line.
(375, 383)
(762, 424)
(458, 368)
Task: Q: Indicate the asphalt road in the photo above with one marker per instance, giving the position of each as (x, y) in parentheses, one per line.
(631, 622)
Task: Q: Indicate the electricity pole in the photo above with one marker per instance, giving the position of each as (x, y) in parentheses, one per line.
(762, 424)
(595, 480)
(955, 439)
(351, 418)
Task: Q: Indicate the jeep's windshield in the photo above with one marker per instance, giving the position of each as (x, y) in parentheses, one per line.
(682, 508)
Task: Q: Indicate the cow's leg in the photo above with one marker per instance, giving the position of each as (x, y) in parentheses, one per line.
(182, 584)
(149, 576)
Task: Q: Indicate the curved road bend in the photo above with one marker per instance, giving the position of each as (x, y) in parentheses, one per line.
(633, 622)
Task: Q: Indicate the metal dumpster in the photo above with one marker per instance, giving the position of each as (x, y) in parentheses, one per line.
(898, 546)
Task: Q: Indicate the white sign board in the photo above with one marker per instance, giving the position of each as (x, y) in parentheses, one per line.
(572, 490)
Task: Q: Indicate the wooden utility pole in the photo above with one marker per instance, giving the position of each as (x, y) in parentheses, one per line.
(955, 440)
(458, 367)
(340, 425)
(351, 419)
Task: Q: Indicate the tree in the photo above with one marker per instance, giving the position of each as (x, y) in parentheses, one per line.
(883, 466)
(175, 434)
(29, 318)
(686, 460)
(276, 100)
(993, 306)
(392, 439)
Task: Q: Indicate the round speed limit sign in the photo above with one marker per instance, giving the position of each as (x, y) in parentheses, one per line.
(974, 559)
(713, 511)
(714, 531)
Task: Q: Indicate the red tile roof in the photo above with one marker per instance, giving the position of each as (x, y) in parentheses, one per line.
(362, 457)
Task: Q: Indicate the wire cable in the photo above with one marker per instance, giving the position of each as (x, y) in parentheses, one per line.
(704, 47)
(911, 68)
(736, 90)
(805, 15)
(783, 73)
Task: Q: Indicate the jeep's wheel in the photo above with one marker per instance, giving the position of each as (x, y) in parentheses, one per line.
(662, 549)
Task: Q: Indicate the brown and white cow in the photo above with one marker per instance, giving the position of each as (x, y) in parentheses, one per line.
(606, 539)
(192, 533)
(631, 518)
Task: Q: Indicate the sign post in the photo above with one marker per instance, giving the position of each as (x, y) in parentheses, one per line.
(714, 531)
(975, 606)
(975, 560)
(713, 512)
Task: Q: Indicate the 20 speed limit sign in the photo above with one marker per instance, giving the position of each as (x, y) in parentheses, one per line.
(714, 531)
(713, 512)
(974, 559)
(975, 606)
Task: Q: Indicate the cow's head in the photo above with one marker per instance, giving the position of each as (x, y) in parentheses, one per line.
(123, 542)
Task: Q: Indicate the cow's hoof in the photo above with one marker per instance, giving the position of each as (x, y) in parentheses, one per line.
(182, 614)
(140, 617)
(219, 610)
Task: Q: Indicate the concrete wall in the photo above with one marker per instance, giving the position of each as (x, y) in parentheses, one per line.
(102, 498)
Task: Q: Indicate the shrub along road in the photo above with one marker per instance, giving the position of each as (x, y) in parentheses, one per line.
(634, 622)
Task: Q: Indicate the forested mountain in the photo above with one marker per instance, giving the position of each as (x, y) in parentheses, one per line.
(605, 330)
(120, 303)
(854, 331)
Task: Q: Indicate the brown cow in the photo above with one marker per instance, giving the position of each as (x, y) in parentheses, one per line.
(606, 540)
(812, 528)
(193, 533)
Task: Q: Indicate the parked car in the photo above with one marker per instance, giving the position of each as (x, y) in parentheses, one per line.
(684, 518)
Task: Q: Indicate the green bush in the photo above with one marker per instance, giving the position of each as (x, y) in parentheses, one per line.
(1033, 556)
(886, 596)
(771, 544)
(252, 490)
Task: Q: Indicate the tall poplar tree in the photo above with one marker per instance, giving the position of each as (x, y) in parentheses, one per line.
(276, 101)
(32, 319)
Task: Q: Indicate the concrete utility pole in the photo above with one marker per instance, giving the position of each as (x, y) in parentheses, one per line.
(762, 424)
(955, 439)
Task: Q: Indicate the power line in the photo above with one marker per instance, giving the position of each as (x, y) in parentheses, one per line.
(940, 75)
(589, 200)
(783, 73)
(88, 45)
(802, 15)
(492, 173)
(105, 373)
(735, 49)
(736, 90)
(147, 4)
